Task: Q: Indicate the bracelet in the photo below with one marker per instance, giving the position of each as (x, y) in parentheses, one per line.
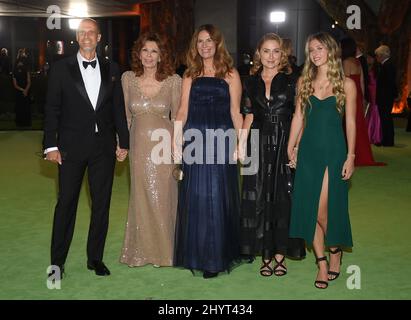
(351, 155)
(295, 148)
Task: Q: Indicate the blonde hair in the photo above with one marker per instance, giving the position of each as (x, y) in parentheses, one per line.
(284, 64)
(335, 73)
(223, 63)
(383, 51)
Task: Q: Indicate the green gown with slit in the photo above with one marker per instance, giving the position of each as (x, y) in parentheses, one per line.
(322, 146)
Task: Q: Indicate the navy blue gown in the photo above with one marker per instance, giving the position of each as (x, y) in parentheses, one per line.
(207, 227)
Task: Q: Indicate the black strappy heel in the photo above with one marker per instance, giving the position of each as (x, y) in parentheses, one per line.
(266, 270)
(334, 273)
(320, 284)
(279, 264)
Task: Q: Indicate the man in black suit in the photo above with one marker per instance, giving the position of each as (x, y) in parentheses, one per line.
(364, 65)
(387, 93)
(83, 113)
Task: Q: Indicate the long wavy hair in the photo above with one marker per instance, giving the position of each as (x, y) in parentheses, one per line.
(335, 73)
(284, 64)
(223, 63)
(165, 67)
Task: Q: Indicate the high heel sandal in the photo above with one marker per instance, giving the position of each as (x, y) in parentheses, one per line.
(279, 269)
(320, 284)
(266, 270)
(334, 275)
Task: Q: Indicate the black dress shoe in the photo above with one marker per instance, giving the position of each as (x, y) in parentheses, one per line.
(208, 274)
(99, 268)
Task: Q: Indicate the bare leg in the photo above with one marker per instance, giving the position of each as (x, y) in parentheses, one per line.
(335, 263)
(280, 269)
(266, 268)
(321, 230)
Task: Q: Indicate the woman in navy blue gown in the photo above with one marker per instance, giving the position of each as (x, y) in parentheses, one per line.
(207, 227)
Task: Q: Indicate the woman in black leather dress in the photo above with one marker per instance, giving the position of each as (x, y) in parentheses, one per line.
(268, 105)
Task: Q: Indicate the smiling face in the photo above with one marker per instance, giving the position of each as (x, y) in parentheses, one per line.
(270, 54)
(150, 54)
(206, 47)
(88, 36)
(318, 53)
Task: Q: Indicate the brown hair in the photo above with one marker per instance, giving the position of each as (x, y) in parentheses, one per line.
(284, 64)
(223, 63)
(165, 67)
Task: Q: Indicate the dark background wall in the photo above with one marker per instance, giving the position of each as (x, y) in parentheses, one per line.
(118, 33)
(303, 17)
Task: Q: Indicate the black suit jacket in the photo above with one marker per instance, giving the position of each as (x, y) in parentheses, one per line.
(387, 89)
(70, 118)
(364, 66)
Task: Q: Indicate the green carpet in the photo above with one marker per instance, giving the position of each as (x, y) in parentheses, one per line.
(380, 218)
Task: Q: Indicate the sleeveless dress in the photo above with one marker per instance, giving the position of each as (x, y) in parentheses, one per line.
(266, 195)
(373, 117)
(207, 227)
(322, 146)
(149, 233)
(363, 152)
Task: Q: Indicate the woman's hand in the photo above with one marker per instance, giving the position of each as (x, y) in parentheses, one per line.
(348, 167)
(292, 156)
(177, 149)
(241, 151)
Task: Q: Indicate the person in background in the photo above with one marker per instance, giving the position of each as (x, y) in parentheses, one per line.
(22, 83)
(372, 116)
(352, 69)
(4, 62)
(292, 60)
(387, 93)
(364, 65)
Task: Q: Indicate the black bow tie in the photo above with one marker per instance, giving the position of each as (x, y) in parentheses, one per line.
(91, 63)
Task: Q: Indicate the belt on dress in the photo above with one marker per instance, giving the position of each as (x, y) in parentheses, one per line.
(276, 118)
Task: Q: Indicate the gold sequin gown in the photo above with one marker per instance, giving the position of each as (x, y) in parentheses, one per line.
(149, 235)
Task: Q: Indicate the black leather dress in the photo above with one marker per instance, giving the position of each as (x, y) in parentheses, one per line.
(266, 195)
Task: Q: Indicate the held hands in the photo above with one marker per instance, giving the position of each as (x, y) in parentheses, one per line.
(348, 167)
(54, 156)
(177, 149)
(240, 152)
(121, 154)
(292, 156)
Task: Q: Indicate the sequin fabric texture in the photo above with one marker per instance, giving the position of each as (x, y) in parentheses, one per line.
(149, 233)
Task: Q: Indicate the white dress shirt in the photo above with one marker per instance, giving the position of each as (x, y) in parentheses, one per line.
(92, 80)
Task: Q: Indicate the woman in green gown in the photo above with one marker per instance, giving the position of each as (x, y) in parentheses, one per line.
(324, 161)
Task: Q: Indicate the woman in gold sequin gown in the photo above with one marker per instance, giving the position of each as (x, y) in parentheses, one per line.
(152, 96)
